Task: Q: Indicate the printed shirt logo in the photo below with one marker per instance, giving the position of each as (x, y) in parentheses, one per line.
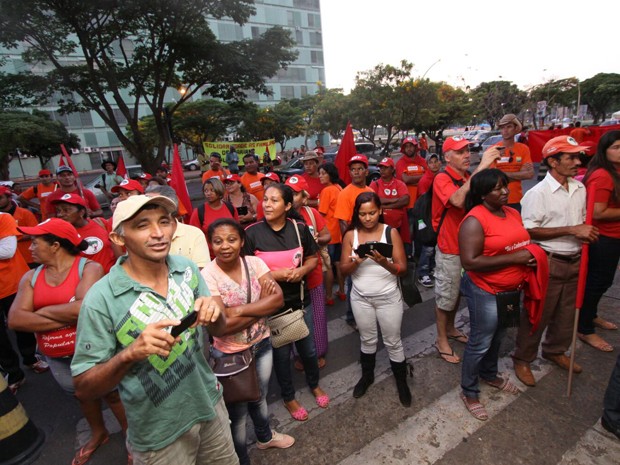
(66, 197)
(95, 245)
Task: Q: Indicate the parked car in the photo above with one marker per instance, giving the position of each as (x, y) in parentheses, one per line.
(193, 165)
(610, 122)
(469, 135)
(296, 166)
(475, 144)
(93, 184)
(369, 149)
(490, 141)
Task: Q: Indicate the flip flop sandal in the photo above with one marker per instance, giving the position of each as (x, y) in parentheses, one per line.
(599, 344)
(444, 355)
(475, 408)
(462, 338)
(503, 385)
(84, 454)
(604, 324)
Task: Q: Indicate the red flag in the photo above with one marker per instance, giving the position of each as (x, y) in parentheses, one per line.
(121, 170)
(177, 182)
(585, 252)
(68, 161)
(345, 152)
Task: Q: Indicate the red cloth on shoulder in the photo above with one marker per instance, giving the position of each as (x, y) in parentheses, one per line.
(535, 285)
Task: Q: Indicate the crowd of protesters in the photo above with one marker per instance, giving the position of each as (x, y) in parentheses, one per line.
(101, 298)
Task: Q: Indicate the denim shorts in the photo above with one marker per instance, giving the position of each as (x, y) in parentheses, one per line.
(61, 371)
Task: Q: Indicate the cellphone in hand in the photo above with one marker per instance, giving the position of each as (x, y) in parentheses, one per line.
(186, 322)
(243, 210)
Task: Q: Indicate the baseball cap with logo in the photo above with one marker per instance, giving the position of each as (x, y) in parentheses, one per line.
(129, 185)
(386, 162)
(73, 199)
(562, 144)
(454, 143)
(45, 173)
(126, 209)
(271, 175)
(145, 176)
(57, 227)
(4, 190)
(358, 159)
(297, 183)
(232, 178)
(63, 168)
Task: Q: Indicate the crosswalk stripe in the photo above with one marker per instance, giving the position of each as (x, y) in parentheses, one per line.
(596, 446)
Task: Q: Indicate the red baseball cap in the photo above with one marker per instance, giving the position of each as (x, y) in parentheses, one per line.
(45, 173)
(358, 159)
(5, 190)
(562, 144)
(409, 140)
(454, 143)
(232, 178)
(386, 162)
(271, 175)
(73, 199)
(146, 176)
(297, 183)
(55, 226)
(129, 185)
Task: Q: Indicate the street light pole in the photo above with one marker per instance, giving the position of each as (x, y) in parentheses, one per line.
(429, 68)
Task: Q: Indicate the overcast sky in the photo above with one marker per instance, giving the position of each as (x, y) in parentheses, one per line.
(465, 43)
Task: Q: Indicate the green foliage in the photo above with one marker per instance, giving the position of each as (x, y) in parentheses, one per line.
(602, 94)
(281, 122)
(492, 100)
(34, 134)
(140, 48)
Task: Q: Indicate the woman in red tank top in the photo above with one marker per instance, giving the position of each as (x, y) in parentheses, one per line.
(48, 303)
(492, 243)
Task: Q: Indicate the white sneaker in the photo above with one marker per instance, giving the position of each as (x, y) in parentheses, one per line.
(278, 441)
(426, 281)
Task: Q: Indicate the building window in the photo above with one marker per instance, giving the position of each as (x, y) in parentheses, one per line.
(90, 139)
(287, 92)
(86, 119)
(316, 57)
(119, 117)
(314, 20)
(299, 36)
(304, 91)
(229, 32)
(315, 39)
(113, 139)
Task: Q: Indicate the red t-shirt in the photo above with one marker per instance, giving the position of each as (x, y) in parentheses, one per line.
(501, 236)
(425, 183)
(315, 277)
(314, 186)
(601, 185)
(443, 188)
(99, 246)
(91, 200)
(411, 167)
(395, 189)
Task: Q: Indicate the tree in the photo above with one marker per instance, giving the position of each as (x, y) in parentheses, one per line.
(140, 49)
(492, 100)
(33, 134)
(281, 122)
(561, 92)
(602, 94)
(332, 112)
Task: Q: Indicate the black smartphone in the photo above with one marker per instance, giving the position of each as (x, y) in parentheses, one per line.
(243, 210)
(381, 247)
(500, 147)
(186, 322)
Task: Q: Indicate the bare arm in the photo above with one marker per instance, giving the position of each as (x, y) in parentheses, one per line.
(471, 246)
(323, 237)
(490, 156)
(400, 202)
(349, 261)
(398, 265)
(584, 232)
(412, 180)
(343, 226)
(603, 212)
(271, 299)
(526, 172)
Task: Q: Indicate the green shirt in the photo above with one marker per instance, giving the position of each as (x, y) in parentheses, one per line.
(163, 397)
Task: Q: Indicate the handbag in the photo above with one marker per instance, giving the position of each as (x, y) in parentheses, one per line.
(289, 325)
(237, 372)
(508, 308)
(409, 290)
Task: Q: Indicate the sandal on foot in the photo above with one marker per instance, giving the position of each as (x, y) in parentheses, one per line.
(342, 296)
(594, 340)
(604, 324)
(474, 407)
(322, 399)
(503, 385)
(84, 454)
(445, 355)
(322, 362)
(329, 301)
(299, 413)
(299, 366)
(459, 337)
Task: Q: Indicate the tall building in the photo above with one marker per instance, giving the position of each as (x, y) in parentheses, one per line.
(302, 77)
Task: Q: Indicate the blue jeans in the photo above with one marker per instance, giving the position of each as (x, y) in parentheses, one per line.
(307, 353)
(426, 262)
(485, 337)
(258, 410)
(604, 256)
(611, 401)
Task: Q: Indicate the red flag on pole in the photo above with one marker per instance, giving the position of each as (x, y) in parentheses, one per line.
(69, 162)
(345, 152)
(177, 182)
(121, 169)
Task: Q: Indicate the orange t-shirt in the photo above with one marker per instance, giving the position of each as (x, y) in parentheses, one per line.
(327, 208)
(412, 167)
(520, 154)
(42, 191)
(221, 174)
(24, 217)
(346, 201)
(11, 269)
(253, 186)
(443, 188)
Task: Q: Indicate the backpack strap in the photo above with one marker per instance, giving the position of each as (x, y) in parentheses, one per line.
(36, 274)
(230, 207)
(312, 219)
(388, 233)
(81, 265)
(201, 214)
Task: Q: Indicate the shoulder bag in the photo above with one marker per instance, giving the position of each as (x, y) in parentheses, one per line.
(289, 326)
(408, 288)
(237, 372)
